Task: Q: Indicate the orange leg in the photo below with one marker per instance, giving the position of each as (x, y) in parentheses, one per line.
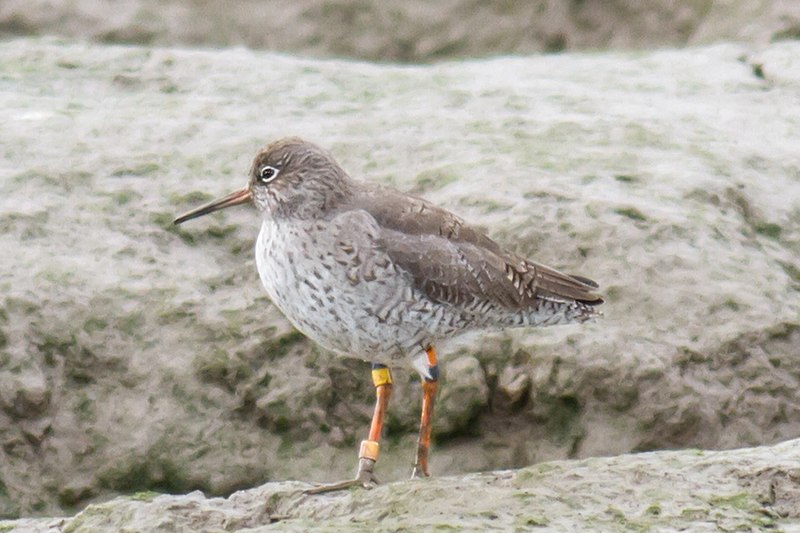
(368, 452)
(429, 386)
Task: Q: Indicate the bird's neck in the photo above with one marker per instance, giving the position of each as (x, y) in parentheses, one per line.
(312, 202)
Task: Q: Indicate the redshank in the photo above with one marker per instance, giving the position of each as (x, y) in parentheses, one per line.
(373, 273)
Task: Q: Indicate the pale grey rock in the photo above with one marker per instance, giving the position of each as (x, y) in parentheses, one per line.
(752, 489)
(672, 177)
(513, 385)
(414, 30)
(462, 396)
(24, 394)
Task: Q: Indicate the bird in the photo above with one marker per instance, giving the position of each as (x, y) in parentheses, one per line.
(370, 272)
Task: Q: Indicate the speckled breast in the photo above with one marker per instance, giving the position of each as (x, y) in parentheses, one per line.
(345, 297)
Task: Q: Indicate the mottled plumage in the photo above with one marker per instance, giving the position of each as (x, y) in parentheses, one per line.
(373, 273)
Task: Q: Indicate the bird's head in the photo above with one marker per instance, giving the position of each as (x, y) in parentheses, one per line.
(289, 178)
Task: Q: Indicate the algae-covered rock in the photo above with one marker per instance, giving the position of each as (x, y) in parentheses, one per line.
(138, 356)
(463, 397)
(741, 490)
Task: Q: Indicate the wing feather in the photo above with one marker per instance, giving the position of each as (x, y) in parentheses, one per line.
(454, 262)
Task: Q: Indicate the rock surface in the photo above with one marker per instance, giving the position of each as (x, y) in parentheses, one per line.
(139, 356)
(753, 489)
(414, 30)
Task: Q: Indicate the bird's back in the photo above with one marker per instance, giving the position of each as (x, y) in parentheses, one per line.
(454, 264)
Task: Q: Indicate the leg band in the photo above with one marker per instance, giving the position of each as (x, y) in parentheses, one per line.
(369, 450)
(433, 364)
(381, 376)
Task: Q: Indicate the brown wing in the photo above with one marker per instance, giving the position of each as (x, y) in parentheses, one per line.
(416, 216)
(453, 262)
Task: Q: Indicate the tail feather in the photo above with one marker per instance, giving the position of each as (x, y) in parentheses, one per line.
(586, 281)
(548, 283)
(552, 313)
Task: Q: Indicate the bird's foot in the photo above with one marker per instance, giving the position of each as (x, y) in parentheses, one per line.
(420, 471)
(364, 478)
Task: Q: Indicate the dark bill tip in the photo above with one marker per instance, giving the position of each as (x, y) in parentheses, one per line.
(242, 196)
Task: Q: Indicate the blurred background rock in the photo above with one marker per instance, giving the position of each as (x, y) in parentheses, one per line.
(138, 356)
(411, 31)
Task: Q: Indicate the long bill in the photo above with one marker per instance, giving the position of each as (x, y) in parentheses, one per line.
(242, 196)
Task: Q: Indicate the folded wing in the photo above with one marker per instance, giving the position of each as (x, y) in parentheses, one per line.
(455, 263)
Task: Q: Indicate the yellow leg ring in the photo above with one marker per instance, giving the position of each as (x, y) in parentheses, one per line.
(369, 450)
(381, 376)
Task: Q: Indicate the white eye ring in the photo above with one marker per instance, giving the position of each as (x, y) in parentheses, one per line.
(267, 174)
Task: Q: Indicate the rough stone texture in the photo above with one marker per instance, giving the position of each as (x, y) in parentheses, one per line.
(413, 30)
(139, 356)
(755, 489)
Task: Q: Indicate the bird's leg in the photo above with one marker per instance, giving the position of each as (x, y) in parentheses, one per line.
(429, 384)
(368, 452)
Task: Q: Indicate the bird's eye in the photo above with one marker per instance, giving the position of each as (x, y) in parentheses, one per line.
(267, 174)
